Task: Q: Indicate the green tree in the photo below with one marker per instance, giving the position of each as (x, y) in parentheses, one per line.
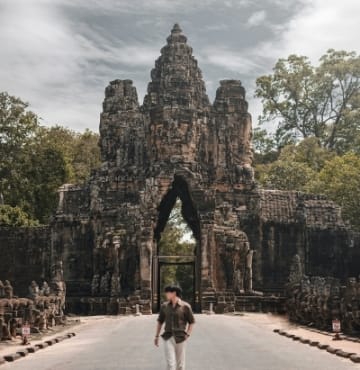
(307, 101)
(15, 216)
(297, 164)
(86, 156)
(35, 160)
(308, 151)
(47, 171)
(285, 175)
(80, 150)
(264, 145)
(339, 180)
(18, 129)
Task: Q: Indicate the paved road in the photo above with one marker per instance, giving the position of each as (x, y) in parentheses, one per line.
(218, 343)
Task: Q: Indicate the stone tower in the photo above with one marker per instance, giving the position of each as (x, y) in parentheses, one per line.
(178, 145)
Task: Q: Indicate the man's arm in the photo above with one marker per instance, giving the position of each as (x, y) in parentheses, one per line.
(191, 321)
(189, 329)
(160, 322)
(157, 334)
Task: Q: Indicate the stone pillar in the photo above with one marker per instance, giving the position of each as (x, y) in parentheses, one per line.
(146, 246)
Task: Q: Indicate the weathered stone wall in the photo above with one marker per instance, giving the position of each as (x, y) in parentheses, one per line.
(352, 260)
(177, 145)
(25, 255)
(40, 308)
(316, 301)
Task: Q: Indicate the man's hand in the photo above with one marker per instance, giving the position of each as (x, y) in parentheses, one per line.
(157, 333)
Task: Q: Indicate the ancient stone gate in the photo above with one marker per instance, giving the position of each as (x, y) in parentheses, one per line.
(179, 145)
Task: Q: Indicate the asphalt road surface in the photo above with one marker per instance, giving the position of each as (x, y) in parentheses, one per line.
(218, 343)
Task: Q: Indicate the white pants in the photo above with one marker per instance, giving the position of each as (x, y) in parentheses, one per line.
(174, 354)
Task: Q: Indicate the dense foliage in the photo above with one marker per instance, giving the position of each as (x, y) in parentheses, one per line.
(36, 160)
(314, 101)
(15, 216)
(316, 145)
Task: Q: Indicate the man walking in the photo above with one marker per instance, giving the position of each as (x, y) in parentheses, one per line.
(179, 321)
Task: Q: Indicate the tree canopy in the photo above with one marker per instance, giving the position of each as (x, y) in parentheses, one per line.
(316, 113)
(36, 160)
(321, 101)
(15, 216)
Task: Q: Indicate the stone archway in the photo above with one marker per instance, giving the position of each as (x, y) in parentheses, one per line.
(179, 145)
(179, 190)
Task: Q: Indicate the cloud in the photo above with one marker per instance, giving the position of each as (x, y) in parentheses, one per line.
(60, 72)
(140, 6)
(230, 60)
(60, 54)
(257, 18)
(318, 26)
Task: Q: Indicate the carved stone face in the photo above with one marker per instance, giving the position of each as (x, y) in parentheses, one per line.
(305, 285)
(327, 287)
(351, 282)
(335, 288)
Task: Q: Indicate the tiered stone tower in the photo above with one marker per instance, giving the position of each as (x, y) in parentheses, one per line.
(178, 145)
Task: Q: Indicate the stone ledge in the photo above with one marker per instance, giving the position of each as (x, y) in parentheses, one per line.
(42, 345)
(332, 350)
(344, 354)
(322, 346)
(330, 334)
(355, 358)
(50, 342)
(33, 349)
(12, 357)
(336, 351)
(23, 352)
(28, 350)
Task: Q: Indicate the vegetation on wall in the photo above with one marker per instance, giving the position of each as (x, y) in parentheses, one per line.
(315, 146)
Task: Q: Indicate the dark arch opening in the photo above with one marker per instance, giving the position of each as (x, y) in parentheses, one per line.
(179, 190)
(181, 262)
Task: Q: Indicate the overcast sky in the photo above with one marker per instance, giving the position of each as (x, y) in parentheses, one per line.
(59, 55)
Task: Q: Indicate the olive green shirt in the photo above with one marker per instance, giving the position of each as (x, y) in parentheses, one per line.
(176, 320)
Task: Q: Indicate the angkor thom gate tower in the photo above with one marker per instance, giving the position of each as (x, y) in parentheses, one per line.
(178, 145)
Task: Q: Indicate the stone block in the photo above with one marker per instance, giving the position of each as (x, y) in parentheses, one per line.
(12, 357)
(355, 358)
(42, 345)
(322, 346)
(23, 352)
(332, 350)
(32, 349)
(344, 354)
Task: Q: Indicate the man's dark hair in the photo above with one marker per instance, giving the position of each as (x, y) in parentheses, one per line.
(173, 288)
